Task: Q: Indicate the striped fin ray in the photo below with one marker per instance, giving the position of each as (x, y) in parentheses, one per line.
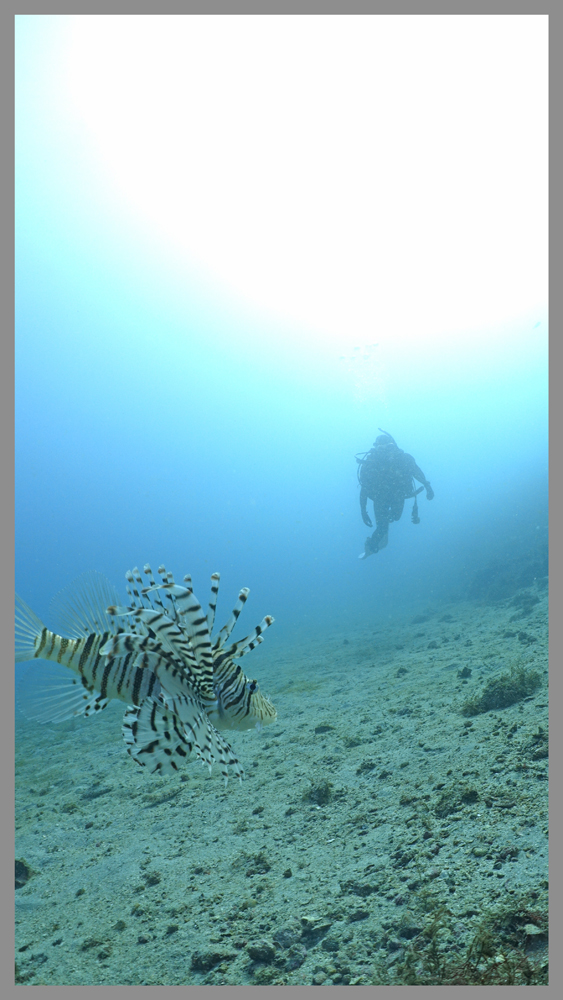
(143, 596)
(167, 577)
(148, 597)
(195, 622)
(208, 743)
(173, 639)
(161, 734)
(215, 577)
(132, 590)
(168, 655)
(136, 589)
(153, 587)
(249, 642)
(154, 737)
(229, 626)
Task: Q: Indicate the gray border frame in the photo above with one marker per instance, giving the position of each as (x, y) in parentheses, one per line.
(7, 422)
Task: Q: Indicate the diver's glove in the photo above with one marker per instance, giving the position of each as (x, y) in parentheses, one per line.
(366, 519)
(429, 492)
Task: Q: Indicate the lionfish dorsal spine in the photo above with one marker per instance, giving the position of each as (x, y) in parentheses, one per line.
(249, 642)
(230, 624)
(215, 578)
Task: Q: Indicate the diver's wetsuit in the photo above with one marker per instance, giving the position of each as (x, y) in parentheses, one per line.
(387, 479)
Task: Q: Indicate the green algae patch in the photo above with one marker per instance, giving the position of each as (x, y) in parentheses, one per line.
(508, 948)
(500, 692)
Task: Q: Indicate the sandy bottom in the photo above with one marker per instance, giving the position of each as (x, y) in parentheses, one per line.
(371, 808)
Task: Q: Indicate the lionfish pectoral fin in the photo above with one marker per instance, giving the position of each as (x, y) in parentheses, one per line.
(208, 743)
(153, 737)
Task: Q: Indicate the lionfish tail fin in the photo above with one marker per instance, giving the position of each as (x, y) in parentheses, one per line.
(28, 629)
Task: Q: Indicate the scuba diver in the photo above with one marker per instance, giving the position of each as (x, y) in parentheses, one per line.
(386, 474)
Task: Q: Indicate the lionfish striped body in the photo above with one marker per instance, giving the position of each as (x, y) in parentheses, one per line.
(181, 687)
(59, 695)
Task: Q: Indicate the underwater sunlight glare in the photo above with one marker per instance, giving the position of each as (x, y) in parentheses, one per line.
(279, 163)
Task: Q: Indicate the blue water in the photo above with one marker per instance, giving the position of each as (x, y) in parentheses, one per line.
(160, 418)
(149, 428)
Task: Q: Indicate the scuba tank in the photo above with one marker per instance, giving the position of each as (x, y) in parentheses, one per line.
(414, 513)
(361, 457)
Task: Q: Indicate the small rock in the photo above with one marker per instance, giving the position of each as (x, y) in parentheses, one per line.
(394, 944)
(330, 943)
(287, 936)
(203, 961)
(261, 951)
(531, 929)
(295, 956)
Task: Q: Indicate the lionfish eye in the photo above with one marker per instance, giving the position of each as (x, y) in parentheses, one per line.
(252, 685)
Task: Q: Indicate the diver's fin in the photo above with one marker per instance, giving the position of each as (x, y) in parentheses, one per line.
(368, 549)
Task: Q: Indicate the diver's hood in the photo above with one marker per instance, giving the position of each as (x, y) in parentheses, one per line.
(384, 439)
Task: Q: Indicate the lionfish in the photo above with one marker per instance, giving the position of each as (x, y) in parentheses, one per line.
(181, 685)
